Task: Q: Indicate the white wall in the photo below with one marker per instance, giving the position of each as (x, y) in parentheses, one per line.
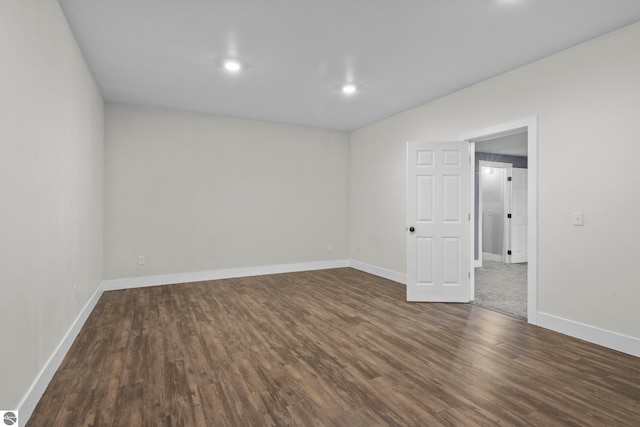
(51, 169)
(194, 192)
(588, 103)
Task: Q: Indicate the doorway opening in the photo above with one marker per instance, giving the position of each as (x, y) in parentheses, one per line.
(501, 220)
(503, 274)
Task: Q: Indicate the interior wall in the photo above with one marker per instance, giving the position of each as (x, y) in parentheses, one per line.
(194, 192)
(587, 100)
(51, 182)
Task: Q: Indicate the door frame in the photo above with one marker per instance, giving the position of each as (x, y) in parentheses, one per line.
(530, 124)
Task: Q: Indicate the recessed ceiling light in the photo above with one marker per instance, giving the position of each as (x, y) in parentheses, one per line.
(349, 88)
(232, 65)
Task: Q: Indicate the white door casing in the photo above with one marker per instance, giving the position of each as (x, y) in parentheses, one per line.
(438, 221)
(518, 228)
(530, 125)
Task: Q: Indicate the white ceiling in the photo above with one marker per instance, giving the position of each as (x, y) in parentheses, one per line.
(298, 53)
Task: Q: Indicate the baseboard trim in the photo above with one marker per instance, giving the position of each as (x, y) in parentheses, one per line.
(378, 271)
(33, 395)
(592, 334)
(169, 279)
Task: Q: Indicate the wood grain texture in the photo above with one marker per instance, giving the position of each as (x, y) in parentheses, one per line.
(327, 348)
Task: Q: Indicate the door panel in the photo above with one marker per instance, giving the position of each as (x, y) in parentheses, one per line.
(438, 250)
(519, 195)
(451, 196)
(452, 255)
(425, 207)
(425, 253)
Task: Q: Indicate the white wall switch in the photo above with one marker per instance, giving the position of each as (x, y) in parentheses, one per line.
(141, 260)
(577, 219)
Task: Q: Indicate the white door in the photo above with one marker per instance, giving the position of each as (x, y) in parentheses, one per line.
(438, 221)
(518, 233)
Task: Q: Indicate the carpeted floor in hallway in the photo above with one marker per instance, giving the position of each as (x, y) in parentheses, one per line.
(502, 287)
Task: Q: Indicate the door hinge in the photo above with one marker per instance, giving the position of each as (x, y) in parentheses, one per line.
(508, 252)
(509, 216)
(508, 178)
(469, 217)
(469, 275)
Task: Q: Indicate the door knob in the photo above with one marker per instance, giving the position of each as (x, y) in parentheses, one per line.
(412, 229)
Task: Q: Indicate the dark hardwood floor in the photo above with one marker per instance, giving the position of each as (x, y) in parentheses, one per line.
(327, 348)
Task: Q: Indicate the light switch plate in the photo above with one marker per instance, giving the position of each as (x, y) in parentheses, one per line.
(578, 220)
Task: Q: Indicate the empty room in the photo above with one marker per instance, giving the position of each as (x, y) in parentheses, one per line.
(283, 213)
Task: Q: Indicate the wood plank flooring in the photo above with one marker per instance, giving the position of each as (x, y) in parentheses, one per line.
(327, 348)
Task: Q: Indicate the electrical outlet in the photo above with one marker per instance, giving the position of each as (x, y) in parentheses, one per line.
(141, 260)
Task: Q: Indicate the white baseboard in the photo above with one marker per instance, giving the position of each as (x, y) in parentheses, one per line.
(378, 271)
(31, 399)
(592, 334)
(477, 263)
(168, 279)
